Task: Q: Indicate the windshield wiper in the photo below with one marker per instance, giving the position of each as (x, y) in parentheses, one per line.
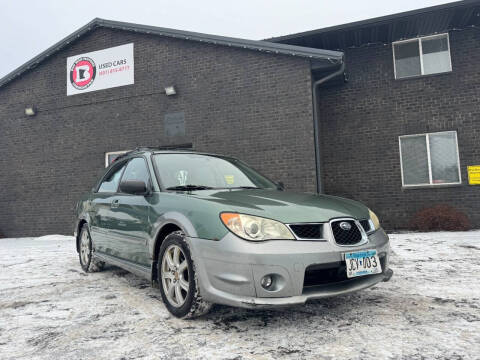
(189, 187)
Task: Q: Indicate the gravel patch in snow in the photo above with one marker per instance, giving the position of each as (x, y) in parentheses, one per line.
(50, 309)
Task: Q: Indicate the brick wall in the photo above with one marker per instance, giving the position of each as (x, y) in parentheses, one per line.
(244, 103)
(361, 121)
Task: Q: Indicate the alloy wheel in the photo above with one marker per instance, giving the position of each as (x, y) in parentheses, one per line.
(85, 248)
(175, 275)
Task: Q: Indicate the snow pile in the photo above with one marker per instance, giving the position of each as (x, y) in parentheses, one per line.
(430, 309)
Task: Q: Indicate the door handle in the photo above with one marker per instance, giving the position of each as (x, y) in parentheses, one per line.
(115, 204)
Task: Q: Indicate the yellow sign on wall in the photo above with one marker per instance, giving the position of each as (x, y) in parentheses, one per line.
(474, 175)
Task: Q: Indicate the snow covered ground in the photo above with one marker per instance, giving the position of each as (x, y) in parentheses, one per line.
(50, 309)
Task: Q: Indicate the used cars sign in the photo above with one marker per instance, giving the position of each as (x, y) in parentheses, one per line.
(101, 69)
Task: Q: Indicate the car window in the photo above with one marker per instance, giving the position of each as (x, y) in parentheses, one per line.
(110, 183)
(137, 170)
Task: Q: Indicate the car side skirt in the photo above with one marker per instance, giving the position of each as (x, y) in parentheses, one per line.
(139, 270)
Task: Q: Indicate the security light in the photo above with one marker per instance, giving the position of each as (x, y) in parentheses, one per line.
(30, 111)
(170, 90)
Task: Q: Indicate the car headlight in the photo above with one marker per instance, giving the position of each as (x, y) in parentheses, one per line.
(374, 218)
(255, 228)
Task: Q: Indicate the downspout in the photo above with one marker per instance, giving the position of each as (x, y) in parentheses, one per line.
(316, 140)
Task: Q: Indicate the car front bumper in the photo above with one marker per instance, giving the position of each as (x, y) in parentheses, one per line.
(230, 271)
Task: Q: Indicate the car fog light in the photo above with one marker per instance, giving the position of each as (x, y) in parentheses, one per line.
(266, 281)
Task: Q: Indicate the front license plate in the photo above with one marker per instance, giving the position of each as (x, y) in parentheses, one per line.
(362, 263)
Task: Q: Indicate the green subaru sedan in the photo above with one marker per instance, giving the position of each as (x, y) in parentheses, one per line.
(209, 229)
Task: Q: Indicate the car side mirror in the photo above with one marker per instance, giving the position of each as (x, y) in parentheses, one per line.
(134, 187)
(280, 186)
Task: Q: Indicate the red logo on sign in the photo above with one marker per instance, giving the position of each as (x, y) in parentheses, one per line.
(82, 73)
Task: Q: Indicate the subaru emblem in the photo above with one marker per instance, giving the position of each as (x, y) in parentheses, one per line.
(345, 225)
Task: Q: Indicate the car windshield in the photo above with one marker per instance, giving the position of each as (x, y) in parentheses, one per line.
(202, 172)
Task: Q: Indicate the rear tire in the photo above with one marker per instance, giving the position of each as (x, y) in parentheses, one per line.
(177, 279)
(87, 261)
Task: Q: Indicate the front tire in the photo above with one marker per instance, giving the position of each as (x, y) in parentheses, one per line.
(177, 279)
(87, 262)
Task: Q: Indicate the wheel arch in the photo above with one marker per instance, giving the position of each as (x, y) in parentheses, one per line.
(169, 220)
(80, 224)
(162, 234)
(167, 228)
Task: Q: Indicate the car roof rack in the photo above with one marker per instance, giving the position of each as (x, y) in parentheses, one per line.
(185, 147)
(138, 149)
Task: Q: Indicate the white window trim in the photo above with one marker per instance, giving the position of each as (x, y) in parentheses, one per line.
(431, 184)
(419, 40)
(113, 153)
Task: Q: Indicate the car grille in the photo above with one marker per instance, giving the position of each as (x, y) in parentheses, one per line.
(308, 231)
(350, 236)
(325, 274)
(365, 224)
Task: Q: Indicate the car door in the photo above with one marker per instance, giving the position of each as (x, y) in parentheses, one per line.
(101, 216)
(130, 232)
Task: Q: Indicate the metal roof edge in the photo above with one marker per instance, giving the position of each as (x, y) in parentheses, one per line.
(372, 21)
(259, 45)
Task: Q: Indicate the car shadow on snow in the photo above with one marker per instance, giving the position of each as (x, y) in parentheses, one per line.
(328, 311)
(226, 318)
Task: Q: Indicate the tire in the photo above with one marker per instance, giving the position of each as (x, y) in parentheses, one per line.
(87, 262)
(177, 279)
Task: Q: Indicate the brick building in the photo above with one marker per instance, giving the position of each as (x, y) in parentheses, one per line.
(235, 97)
(412, 85)
(253, 100)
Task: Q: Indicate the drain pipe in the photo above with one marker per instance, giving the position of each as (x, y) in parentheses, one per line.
(316, 140)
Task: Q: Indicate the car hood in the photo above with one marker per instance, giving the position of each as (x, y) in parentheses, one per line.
(284, 206)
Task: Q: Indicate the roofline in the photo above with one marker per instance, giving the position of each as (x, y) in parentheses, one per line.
(335, 57)
(374, 21)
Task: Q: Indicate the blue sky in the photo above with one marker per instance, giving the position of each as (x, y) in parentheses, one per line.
(28, 27)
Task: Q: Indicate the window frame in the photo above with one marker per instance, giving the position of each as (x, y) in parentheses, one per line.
(420, 49)
(107, 154)
(122, 164)
(427, 140)
(150, 182)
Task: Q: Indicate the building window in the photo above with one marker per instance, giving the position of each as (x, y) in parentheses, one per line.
(112, 156)
(422, 56)
(430, 159)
